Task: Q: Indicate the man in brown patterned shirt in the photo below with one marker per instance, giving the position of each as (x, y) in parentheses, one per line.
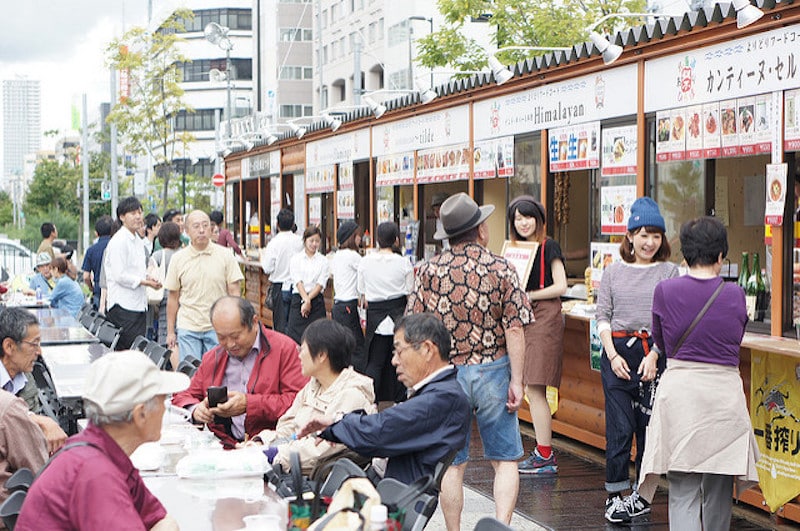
(477, 295)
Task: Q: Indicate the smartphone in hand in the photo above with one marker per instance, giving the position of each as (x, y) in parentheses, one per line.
(217, 394)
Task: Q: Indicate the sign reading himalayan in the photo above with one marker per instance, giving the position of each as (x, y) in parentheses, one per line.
(758, 64)
(575, 148)
(580, 100)
(728, 128)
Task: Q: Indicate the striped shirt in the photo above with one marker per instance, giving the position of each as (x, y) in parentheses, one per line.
(625, 299)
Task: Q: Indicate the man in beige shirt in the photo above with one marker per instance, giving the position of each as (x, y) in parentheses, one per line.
(198, 275)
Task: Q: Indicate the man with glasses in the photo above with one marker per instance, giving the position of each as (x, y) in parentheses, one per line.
(419, 433)
(260, 368)
(19, 348)
(198, 275)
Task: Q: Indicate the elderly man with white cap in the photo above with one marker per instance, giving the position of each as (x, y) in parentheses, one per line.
(44, 277)
(92, 484)
(478, 297)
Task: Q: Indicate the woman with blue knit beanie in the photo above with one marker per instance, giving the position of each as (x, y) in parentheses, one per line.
(631, 364)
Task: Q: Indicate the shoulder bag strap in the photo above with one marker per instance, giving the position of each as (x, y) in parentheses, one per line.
(699, 316)
(64, 449)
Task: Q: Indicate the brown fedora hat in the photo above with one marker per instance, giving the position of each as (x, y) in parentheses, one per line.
(459, 213)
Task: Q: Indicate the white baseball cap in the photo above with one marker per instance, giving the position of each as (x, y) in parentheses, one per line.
(119, 381)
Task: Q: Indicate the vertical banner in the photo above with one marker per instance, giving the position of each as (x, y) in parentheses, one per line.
(274, 202)
(775, 415)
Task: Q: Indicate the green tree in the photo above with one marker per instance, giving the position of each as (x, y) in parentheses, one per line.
(53, 187)
(145, 117)
(517, 23)
(6, 209)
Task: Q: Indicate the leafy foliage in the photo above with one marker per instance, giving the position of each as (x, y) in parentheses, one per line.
(543, 23)
(144, 118)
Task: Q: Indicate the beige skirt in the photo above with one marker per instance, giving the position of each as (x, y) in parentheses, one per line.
(544, 341)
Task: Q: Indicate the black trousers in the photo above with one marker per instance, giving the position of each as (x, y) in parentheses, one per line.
(132, 323)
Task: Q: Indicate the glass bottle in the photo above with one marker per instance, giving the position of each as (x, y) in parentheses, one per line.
(744, 272)
(757, 289)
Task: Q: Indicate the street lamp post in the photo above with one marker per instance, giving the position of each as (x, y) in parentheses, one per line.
(218, 35)
(429, 20)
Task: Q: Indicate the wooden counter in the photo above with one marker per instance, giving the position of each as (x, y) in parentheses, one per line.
(581, 404)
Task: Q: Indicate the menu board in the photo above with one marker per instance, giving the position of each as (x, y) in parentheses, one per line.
(694, 132)
(346, 204)
(619, 151)
(319, 180)
(443, 164)
(314, 210)
(395, 170)
(670, 135)
(494, 158)
(728, 128)
(791, 117)
(274, 201)
(615, 208)
(575, 147)
(346, 176)
(712, 139)
(603, 255)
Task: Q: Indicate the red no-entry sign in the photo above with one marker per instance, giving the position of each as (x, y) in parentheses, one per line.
(218, 179)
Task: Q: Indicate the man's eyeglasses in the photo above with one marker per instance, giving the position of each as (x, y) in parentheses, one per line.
(398, 350)
(35, 344)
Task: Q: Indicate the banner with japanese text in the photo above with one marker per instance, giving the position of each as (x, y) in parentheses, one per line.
(791, 116)
(392, 170)
(319, 180)
(775, 415)
(575, 148)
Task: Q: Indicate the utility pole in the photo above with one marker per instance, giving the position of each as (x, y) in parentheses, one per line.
(85, 164)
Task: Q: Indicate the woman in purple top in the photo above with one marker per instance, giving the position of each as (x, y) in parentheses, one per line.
(630, 365)
(700, 433)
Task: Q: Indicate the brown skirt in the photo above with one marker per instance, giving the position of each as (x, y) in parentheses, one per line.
(544, 341)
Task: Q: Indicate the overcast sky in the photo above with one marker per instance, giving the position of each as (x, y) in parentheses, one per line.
(61, 43)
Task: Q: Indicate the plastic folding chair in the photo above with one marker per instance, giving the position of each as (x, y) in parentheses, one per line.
(418, 503)
(140, 344)
(108, 333)
(20, 480)
(9, 510)
(187, 368)
(157, 353)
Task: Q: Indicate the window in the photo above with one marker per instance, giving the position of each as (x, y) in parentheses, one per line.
(295, 111)
(399, 79)
(235, 19)
(199, 120)
(371, 32)
(398, 33)
(334, 13)
(296, 34)
(325, 19)
(198, 70)
(296, 72)
(380, 29)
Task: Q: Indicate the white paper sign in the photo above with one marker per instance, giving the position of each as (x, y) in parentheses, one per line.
(776, 194)
(346, 204)
(791, 138)
(619, 151)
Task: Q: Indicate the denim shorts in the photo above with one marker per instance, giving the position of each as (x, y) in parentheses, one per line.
(486, 387)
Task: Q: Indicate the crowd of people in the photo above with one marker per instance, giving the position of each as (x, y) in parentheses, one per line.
(461, 339)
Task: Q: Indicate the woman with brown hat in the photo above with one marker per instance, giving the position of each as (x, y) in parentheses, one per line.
(544, 338)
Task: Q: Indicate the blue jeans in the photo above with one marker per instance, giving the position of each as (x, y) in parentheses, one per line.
(195, 343)
(486, 387)
(627, 404)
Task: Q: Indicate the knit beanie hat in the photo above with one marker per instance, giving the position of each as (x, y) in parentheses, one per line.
(346, 230)
(645, 213)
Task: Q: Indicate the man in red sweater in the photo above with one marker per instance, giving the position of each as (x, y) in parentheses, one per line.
(260, 368)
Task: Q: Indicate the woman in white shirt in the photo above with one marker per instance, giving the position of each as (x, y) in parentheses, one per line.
(385, 278)
(309, 272)
(344, 268)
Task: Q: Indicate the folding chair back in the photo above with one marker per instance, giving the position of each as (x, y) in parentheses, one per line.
(20, 480)
(140, 344)
(9, 510)
(157, 353)
(108, 333)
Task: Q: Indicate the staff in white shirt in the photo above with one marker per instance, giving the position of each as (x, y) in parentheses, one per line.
(385, 278)
(309, 272)
(125, 268)
(344, 267)
(275, 263)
